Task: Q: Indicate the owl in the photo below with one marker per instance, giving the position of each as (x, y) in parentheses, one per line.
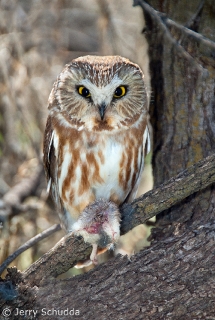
(96, 135)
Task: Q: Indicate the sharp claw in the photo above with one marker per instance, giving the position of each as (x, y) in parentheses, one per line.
(83, 264)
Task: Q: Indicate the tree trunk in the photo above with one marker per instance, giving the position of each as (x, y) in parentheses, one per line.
(183, 82)
(174, 277)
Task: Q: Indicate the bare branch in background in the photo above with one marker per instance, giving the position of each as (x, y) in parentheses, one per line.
(12, 200)
(30, 243)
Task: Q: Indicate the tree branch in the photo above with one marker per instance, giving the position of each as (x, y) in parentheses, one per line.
(172, 279)
(11, 202)
(189, 181)
(69, 250)
(30, 243)
(163, 22)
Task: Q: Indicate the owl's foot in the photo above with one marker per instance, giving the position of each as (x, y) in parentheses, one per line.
(83, 264)
(93, 257)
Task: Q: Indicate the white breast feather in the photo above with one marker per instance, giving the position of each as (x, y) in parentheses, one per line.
(64, 167)
(109, 171)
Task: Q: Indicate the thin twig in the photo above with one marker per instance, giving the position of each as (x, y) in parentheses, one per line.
(188, 32)
(196, 15)
(30, 243)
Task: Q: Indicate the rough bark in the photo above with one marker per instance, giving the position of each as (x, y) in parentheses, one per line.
(182, 69)
(183, 73)
(57, 260)
(174, 277)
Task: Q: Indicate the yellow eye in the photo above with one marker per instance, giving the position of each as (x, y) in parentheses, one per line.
(84, 92)
(120, 92)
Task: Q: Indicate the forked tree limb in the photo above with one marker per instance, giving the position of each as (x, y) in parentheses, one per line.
(165, 24)
(163, 21)
(159, 18)
(69, 250)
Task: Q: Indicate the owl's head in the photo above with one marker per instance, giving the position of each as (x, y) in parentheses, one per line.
(101, 93)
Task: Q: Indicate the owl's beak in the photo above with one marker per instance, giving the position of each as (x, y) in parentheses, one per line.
(102, 107)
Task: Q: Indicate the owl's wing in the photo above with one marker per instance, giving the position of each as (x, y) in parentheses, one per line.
(146, 148)
(50, 164)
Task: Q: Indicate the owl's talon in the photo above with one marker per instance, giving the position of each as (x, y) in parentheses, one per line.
(93, 256)
(83, 264)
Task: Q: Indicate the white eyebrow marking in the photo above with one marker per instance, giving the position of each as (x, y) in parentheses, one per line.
(104, 93)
